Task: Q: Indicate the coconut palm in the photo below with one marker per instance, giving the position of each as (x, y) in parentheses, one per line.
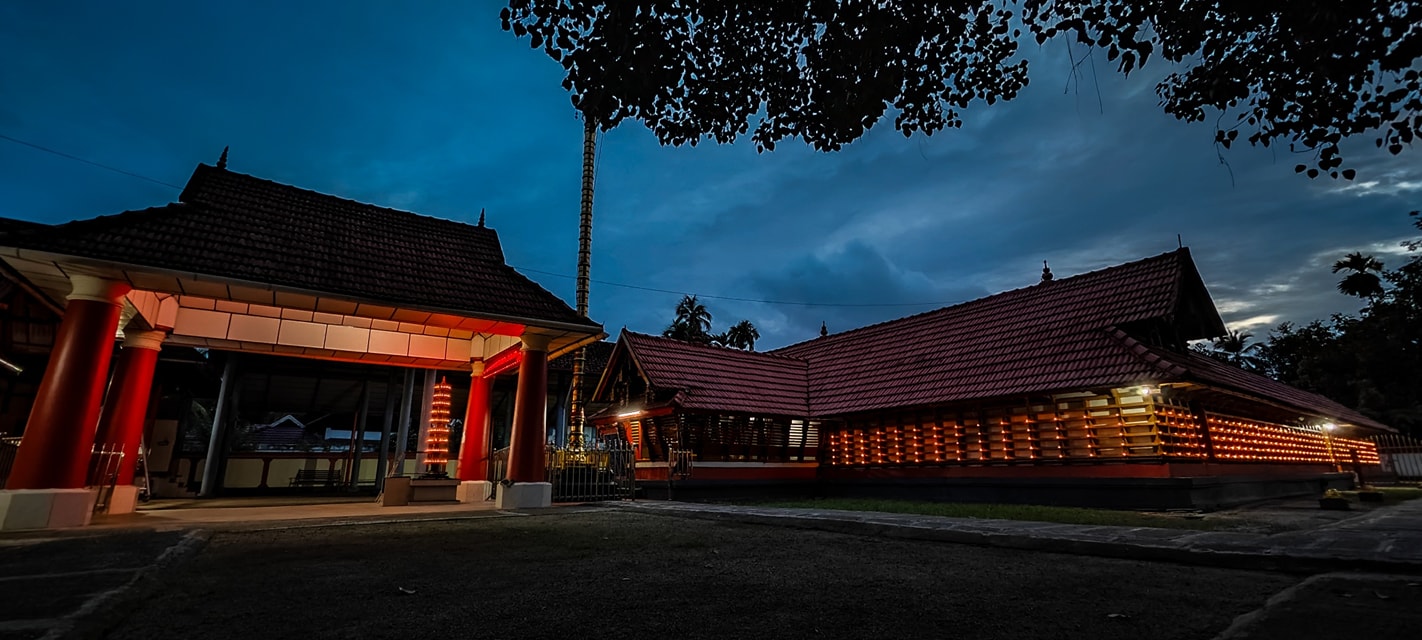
(1235, 348)
(1362, 280)
(692, 323)
(742, 335)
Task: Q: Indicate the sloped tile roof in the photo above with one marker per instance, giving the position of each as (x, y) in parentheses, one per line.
(236, 226)
(716, 378)
(1066, 335)
(1195, 367)
(1045, 337)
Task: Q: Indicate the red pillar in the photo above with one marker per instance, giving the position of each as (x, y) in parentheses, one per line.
(121, 425)
(529, 440)
(474, 450)
(55, 450)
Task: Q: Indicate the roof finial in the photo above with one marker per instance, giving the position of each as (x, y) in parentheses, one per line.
(1046, 272)
(824, 330)
(481, 216)
(222, 162)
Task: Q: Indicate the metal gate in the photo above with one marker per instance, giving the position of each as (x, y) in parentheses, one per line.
(1400, 455)
(599, 470)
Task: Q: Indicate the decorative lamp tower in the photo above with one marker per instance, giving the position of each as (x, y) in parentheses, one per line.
(437, 442)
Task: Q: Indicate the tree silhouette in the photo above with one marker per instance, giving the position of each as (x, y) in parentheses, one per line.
(1306, 73)
(1364, 279)
(1371, 362)
(742, 335)
(692, 323)
(1237, 349)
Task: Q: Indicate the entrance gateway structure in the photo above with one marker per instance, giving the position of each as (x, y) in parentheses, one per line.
(1079, 390)
(244, 264)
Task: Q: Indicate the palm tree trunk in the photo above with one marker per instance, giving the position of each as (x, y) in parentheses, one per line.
(577, 419)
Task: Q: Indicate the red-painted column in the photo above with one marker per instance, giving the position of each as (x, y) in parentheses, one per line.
(121, 424)
(528, 442)
(55, 450)
(474, 450)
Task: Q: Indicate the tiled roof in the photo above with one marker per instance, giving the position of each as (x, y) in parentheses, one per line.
(717, 378)
(1046, 337)
(235, 226)
(1195, 367)
(1067, 335)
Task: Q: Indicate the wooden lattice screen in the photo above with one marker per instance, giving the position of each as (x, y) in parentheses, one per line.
(1124, 425)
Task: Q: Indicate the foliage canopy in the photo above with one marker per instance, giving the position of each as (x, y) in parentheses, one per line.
(1371, 362)
(1306, 73)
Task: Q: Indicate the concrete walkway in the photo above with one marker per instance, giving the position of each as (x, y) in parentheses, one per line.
(1387, 540)
(247, 513)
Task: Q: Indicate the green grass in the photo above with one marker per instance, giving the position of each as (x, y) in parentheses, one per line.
(1064, 515)
(1393, 495)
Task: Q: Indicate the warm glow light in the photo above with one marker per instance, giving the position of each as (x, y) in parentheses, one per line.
(437, 441)
(630, 414)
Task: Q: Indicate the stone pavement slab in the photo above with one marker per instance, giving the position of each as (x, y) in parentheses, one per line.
(1387, 540)
(49, 586)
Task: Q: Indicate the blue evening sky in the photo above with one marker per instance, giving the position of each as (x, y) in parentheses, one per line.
(430, 107)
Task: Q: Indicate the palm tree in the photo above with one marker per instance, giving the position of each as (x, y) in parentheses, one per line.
(692, 323)
(742, 335)
(1363, 280)
(1234, 347)
(679, 330)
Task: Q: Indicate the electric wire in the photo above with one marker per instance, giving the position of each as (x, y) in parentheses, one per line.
(738, 299)
(597, 162)
(88, 162)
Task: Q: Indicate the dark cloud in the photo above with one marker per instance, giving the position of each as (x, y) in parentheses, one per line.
(870, 285)
(436, 110)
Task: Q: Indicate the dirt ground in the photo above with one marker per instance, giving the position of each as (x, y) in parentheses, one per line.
(611, 574)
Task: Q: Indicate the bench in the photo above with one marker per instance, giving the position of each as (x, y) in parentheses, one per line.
(316, 477)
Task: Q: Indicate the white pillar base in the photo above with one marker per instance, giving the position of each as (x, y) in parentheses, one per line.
(123, 500)
(45, 508)
(474, 491)
(525, 495)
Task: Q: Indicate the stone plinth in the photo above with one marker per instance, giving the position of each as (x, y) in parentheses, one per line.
(45, 508)
(433, 490)
(474, 491)
(525, 495)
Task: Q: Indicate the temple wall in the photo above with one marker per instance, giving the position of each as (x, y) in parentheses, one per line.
(1122, 426)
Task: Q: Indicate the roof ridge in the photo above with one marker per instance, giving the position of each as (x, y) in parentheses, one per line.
(716, 349)
(1002, 295)
(1145, 352)
(206, 168)
(123, 217)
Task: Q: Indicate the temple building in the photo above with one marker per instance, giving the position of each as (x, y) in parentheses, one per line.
(1079, 390)
(245, 267)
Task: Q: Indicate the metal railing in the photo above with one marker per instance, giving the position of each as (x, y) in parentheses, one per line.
(104, 466)
(1400, 455)
(599, 470)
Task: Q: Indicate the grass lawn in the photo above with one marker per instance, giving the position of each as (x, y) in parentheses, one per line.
(1392, 495)
(1064, 515)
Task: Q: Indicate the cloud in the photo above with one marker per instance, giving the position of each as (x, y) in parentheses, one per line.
(865, 285)
(439, 112)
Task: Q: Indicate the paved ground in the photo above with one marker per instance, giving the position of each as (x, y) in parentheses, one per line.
(1379, 540)
(353, 570)
(616, 574)
(51, 584)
